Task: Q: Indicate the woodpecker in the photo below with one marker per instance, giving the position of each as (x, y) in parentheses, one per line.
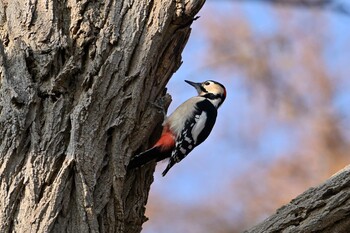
(187, 127)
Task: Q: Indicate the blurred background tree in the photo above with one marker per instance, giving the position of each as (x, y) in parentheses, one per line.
(284, 126)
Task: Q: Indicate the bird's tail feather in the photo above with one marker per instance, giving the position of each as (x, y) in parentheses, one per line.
(152, 154)
(143, 158)
(168, 168)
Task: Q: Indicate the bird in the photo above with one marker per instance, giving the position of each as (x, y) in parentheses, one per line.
(187, 127)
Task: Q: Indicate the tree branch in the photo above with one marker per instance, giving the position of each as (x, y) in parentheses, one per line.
(325, 208)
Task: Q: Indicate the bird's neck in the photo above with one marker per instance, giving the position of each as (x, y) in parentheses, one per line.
(216, 100)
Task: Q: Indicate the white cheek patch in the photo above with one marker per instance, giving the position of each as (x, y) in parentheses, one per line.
(199, 126)
(215, 89)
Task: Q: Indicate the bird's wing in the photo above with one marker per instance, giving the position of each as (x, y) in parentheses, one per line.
(194, 132)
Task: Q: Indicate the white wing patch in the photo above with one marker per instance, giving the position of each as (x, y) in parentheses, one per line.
(182, 113)
(199, 125)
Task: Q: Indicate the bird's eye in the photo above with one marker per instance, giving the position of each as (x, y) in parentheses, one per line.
(206, 83)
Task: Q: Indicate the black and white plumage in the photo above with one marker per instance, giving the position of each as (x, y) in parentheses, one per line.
(196, 129)
(187, 127)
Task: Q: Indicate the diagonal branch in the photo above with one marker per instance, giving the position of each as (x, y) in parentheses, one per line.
(325, 208)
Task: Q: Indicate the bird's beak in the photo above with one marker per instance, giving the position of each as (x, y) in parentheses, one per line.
(198, 86)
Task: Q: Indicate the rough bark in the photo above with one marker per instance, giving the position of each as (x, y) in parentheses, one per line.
(325, 208)
(81, 84)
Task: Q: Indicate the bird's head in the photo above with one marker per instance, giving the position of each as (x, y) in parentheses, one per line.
(215, 92)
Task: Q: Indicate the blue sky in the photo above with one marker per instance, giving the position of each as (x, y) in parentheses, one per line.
(224, 156)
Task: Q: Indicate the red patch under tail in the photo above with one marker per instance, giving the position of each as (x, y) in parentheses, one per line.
(166, 141)
(161, 150)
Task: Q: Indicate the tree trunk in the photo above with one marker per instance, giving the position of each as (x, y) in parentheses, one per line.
(325, 208)
(81, 85)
